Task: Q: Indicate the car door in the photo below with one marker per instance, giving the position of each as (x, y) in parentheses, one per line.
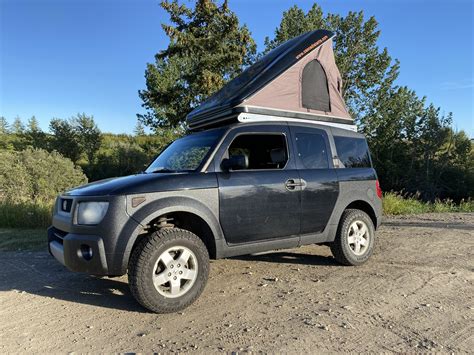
(261, 202)
(320, 185)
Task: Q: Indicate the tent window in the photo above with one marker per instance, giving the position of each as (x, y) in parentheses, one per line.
(314, 87)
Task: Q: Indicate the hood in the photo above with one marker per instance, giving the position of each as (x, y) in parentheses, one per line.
(145, 183)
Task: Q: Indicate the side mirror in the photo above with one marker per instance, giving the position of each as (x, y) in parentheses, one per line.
(235, 162)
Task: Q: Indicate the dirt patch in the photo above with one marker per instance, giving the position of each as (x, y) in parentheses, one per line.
(415, 294)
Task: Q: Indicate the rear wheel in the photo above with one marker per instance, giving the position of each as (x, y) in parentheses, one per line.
(168, 270)
(354, 242)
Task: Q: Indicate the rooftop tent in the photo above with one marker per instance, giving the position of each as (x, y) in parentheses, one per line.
(298, 79)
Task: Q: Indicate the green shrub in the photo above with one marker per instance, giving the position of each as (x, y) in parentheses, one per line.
(25, 214)
(125, 159)
(36, 176)
(396, 204)
(466, 206)
(30, 180)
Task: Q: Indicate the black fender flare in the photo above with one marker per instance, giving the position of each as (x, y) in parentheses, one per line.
(343, 202)
(155, 209)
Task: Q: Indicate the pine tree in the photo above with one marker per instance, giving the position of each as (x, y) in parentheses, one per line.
(139, 129)
(33, 125)
(207, 48)
(4, 126)
(33, 134)
(17, 127)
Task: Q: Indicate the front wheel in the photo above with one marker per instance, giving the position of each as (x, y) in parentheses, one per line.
(354, 242)
(168, 270)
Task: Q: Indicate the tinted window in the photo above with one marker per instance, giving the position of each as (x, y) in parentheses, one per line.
(353, 152)
(264, 151)
(315, 93)
(186, 153)
(312, 150)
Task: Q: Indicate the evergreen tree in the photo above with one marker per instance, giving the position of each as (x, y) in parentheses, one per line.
(33, 125)
(139, 129)
(33, 134)
(4, 126)
(17, 127)
(207, 48)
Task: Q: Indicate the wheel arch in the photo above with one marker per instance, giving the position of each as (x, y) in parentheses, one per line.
(190, 213)
(363, 206)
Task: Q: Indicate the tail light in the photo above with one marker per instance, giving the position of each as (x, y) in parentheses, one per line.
(378, 189)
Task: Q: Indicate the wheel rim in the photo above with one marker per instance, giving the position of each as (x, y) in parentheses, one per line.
(175, 272)
(358, 237)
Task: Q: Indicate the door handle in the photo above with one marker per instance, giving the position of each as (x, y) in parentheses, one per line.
(303, 184)
(291, 184)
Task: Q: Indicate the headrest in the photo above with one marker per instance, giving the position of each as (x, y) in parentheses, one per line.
(278, 155)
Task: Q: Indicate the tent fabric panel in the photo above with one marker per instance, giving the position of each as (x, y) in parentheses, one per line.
(284, 92)
(258, 75)
(314, 87)
(325, 55)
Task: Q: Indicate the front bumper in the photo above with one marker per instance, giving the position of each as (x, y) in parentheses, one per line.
(96, 249)
(78, 252)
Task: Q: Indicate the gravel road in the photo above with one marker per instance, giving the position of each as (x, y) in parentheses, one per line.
(415, 294)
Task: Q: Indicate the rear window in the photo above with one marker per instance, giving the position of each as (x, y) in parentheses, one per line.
(353, 152)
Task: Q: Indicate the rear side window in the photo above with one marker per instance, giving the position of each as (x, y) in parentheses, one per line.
(353, 152)
(312, 150)
(264, 151)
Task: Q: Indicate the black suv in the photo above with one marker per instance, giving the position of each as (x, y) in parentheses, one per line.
(237, 189)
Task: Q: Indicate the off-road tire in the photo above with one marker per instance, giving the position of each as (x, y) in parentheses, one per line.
(341, 249)
(143, 260)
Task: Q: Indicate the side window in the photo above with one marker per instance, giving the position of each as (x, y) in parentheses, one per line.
(353, 152)
(264, 151)
(312, 150)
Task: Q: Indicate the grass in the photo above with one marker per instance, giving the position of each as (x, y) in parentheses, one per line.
(396, 204)
(22, 239)
(25, 215)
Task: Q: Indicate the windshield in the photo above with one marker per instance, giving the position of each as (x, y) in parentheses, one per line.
(187, 153)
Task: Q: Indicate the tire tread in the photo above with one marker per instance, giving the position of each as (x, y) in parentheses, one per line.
(141, 288)
(337, 247)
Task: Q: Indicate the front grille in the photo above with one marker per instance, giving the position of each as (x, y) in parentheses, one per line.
(65, 205)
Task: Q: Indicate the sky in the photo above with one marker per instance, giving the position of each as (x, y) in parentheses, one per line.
(63, 57)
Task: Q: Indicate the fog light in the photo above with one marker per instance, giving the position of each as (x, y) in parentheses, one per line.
(86, 252)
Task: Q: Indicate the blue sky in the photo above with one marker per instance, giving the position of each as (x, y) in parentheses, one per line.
(61, 57)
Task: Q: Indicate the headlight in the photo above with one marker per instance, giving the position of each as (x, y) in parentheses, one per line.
(91, 212)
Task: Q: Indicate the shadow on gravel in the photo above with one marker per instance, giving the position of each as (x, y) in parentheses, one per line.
(40, 276)
(290, 258)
